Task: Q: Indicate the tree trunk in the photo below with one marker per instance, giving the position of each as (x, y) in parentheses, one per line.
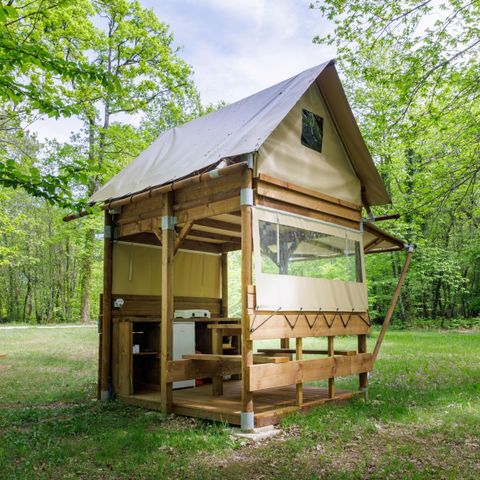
(86, 275)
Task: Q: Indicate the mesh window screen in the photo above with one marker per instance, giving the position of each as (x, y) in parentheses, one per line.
(288, 250)
(312, 130)
(306, 264)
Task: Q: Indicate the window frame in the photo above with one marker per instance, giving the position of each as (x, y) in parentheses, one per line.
(293, 293)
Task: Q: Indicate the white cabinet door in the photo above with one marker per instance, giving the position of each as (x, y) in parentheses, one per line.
(183, 344)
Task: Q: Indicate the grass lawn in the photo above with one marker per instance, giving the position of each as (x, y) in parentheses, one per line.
(422, 420)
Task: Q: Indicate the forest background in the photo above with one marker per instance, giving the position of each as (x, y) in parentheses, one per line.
(412, 74)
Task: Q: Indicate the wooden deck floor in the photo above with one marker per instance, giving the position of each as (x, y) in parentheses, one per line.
(269, 405)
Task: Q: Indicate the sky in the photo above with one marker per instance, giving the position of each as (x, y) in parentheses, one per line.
(235, 47)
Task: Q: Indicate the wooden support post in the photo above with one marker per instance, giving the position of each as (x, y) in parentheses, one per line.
(217, 334)
(166, 330)
(284, 343)
(224, 268)
(299, 356)
(391, 308)
(331, 381)
(217, 349)
(106, 367)
(362, 377)
(247, 415)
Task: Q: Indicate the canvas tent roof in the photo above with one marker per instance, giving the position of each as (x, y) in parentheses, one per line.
(241, 128)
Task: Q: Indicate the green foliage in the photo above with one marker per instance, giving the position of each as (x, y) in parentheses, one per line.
(40, 261)
(411, 69)
(112, 64)
(101, 60)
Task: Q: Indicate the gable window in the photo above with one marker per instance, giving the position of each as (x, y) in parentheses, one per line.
(312, 130)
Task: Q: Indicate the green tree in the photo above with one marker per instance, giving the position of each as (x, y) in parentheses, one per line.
(37, 62)
(412, 71)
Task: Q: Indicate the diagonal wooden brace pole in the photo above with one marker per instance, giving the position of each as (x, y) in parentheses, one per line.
(393, 303)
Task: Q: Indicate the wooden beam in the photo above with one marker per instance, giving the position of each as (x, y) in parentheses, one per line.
(188, 369)
(362, 377)
(228, 205)
(224, 274)
(211, 366)
(307, 201)
(207, 191)
(140, 226)
(298, 210)
(246, 281)
(229, 247)
(199, 246)
(151, 305)
(177, 185)
(212, 357)
(384, 250)
(166, 326)
(214, 236)
(331, 380)
(158, 234)
(219, 224)
(217, 348)
(106, 367)
(307, 351)
(271, 325)
(371, 244)
(282, 374)
(378, 232)
(391, 216)
(307, 191)
(184, 231)
(124, 360)
(299, 386)
(147, 208)
(206, 200)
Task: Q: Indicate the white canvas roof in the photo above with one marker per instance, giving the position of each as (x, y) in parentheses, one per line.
(241, 128)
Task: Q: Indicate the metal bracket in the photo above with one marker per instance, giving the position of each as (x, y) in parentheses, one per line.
(107, 231)
(247, 421)
(118, 303)
(168, 222)
(250, 161)
(214, 173)
(364, 392)
(246, 196)
(410, 247)
(115, 211)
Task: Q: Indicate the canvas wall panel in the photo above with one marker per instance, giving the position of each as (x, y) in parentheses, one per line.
(283, 155)
(137, 271)
(291, 292)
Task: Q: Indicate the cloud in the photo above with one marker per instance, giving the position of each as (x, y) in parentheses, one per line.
(236, 47)
(239, 47)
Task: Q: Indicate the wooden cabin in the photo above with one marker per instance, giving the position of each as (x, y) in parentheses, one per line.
(281, 176)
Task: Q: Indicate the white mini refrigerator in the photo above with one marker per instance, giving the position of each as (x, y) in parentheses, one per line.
(183, 344)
